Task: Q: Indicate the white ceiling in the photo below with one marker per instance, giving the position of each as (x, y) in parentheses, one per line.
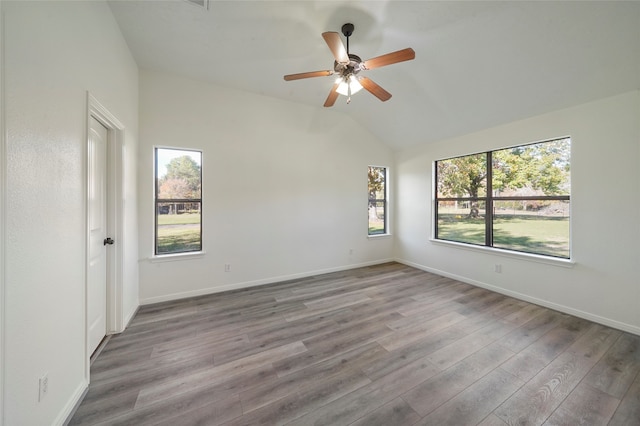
(478, 64)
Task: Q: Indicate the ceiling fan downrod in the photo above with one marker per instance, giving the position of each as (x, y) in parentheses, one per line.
(347, 30)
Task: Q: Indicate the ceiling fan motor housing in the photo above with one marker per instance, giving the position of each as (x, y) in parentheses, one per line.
(353, 67)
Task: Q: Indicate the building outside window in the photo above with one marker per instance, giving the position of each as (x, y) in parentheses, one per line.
(178, 201)
(514, 199)
(377, 200)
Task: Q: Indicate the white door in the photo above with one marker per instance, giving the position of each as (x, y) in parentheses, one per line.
(98, 243)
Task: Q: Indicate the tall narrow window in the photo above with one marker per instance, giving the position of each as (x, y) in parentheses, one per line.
(377, 200)
(514, 199)
(178, 201)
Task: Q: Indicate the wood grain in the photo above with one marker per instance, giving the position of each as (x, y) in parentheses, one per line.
(584, 406)
(382, 345)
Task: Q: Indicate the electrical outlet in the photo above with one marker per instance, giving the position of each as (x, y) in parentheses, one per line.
(498, 268)
(227, 267)
(350, 251)
(43, 386)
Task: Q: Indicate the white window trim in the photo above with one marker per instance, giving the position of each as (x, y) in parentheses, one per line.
(172, 257)
(538, 258)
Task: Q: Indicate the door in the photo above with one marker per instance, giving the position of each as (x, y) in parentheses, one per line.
(97, 228)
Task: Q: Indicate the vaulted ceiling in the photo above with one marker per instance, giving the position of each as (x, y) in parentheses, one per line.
(478, 64)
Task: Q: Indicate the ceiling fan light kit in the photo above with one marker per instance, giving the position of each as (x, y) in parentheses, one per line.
(347, 66)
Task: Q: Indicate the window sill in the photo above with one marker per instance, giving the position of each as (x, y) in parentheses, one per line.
(374, 236)
(176, 256)
(548, 260)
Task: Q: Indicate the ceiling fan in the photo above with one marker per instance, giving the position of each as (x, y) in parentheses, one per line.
(347, 66)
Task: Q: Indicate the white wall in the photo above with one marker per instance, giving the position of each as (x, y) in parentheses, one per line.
(603, 285)
(284, 187)
(3, 194)
(54, 53)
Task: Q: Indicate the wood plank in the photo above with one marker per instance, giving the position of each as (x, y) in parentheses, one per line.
(229, 384)
(217, 412)
(268, 391)
(309, 351)
(295, 405)
(339, 300)
(615, 372)
(531, 331)
(310, 358)
(585, 405)
(538, 398)
(409, 335)
(528, 362)
(357, 404)
(492, 420)
(403, 356)
(396, 412)
(628, 412)
(92, 412)
(184, 403)
(437, 390)
(476, 402)
(457, 351)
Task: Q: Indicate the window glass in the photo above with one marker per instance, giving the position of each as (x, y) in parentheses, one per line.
(178, 201)
(463, 176)
(532, 226)
(377, 200)
(456, 222)
(520, 202)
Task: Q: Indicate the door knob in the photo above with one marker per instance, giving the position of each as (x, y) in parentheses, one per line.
(108, 240)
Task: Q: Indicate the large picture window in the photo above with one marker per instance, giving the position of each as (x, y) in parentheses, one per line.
(514, 199)
(377, 200)
(178, 201)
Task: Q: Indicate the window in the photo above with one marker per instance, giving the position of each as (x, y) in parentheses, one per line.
(377, 200)
(514, 199)
(178, 201)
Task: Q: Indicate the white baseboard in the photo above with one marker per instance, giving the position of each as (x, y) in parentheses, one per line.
(129, 317)
(521, 296)
(255, 283)
(70, 408)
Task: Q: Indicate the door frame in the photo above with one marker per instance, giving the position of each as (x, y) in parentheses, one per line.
(115, 205)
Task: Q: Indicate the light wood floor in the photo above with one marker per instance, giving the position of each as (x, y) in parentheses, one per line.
(384, 345)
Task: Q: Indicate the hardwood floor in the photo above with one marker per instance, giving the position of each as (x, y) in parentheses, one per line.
(384, 345)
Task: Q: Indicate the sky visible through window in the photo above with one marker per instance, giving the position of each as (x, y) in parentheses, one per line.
(166, 155)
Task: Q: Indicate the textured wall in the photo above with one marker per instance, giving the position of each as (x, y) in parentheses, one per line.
(605, 214)
(55, 52)
(284, 187)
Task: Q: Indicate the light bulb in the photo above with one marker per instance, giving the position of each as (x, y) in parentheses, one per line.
(344, 84)
(343, 88)
(355, 84)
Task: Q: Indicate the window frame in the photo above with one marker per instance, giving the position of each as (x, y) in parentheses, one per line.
(157, 201)
(489, 200)
(385, 203)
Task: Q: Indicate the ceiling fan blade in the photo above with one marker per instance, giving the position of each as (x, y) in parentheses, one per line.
(333, 95)
(290, 77)
(374, 89)
(390, 58)
(337, 47)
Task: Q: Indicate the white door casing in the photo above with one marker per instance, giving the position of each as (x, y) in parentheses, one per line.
(113, 211)
(98, 234)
